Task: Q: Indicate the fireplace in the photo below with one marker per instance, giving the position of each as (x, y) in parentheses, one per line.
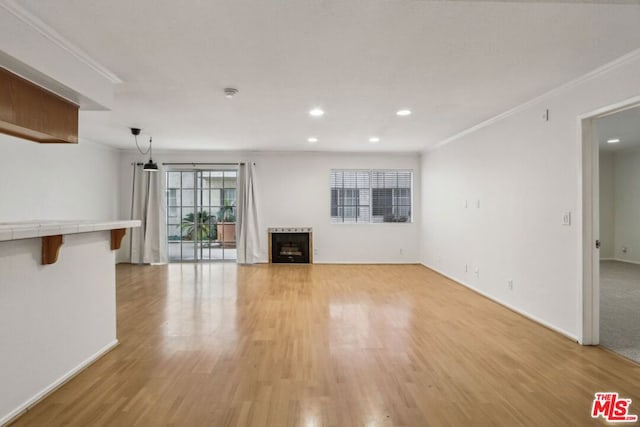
(290, 245)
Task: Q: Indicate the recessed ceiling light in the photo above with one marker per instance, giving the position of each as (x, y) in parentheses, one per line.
(403, 113)
(312, 139)
(613, 140)
(316, 112)
(374, 139)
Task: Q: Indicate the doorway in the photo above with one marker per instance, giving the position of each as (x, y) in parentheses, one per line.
(619, 205)
(610, 146)
(201, 215)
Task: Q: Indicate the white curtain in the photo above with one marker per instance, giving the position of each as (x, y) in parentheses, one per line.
(149, 241)
(248, 234)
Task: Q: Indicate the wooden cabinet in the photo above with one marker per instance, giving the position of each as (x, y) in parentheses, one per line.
(31, 112)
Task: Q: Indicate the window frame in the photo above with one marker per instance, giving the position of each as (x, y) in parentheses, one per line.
(410, 219)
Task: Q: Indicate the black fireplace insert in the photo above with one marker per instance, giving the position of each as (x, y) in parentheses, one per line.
(290, 248)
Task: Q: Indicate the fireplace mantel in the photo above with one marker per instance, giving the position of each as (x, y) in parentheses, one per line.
(290, 230)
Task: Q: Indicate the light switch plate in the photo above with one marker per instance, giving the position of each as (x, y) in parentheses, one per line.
(566, 218)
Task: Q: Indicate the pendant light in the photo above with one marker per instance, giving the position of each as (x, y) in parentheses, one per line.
(150, 166)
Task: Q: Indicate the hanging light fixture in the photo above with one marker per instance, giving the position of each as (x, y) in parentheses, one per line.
(150, 166)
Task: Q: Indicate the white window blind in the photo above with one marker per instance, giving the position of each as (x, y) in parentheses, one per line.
(371, 196)
(350, 196)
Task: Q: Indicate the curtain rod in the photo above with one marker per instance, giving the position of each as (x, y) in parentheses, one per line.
(198, 164)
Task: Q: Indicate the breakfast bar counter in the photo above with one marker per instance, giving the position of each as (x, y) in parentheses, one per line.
(57, 304)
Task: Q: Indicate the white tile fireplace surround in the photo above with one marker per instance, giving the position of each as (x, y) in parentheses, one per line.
(290, 245)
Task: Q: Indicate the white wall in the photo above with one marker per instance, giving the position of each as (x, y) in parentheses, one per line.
(55, 318)
(626, 172)
(293, 190)
(526, 173)
(606, 205)
(57, 181)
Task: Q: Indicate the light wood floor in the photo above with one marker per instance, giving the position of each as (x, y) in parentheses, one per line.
(328, 345)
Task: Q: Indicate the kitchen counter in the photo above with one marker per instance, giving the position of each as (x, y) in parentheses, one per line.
(57, 313)
(41, 228)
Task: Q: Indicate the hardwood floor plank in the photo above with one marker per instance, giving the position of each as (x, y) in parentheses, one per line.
(328, 345)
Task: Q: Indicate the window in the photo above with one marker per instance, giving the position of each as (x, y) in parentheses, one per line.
(350, 196)
(371, 196)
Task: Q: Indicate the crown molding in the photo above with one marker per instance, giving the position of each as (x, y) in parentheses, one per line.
(600, 71)
(52, 35)
(607, 2)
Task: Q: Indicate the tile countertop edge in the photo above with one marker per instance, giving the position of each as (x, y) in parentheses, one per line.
(34, 229)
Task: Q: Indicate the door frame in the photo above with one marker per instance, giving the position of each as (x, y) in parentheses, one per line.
(589, 292)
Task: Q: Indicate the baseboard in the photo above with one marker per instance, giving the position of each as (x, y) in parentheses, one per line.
(521, 312)
(350, 263)
(329, 263)
(367, 262)
(20, 410)
(622, 260)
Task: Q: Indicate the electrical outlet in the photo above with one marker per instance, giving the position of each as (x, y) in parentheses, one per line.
(401, 251)
(315, 251)
(566, 218)
(466, 268)
(477, 271)
(510, 285)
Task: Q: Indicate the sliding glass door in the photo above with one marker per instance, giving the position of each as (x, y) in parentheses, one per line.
(201, 215)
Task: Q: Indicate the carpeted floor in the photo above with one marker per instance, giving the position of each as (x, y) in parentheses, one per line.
(620, 308)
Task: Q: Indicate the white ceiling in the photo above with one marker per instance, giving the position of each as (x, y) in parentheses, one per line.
(453, 63)
(624, 126)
